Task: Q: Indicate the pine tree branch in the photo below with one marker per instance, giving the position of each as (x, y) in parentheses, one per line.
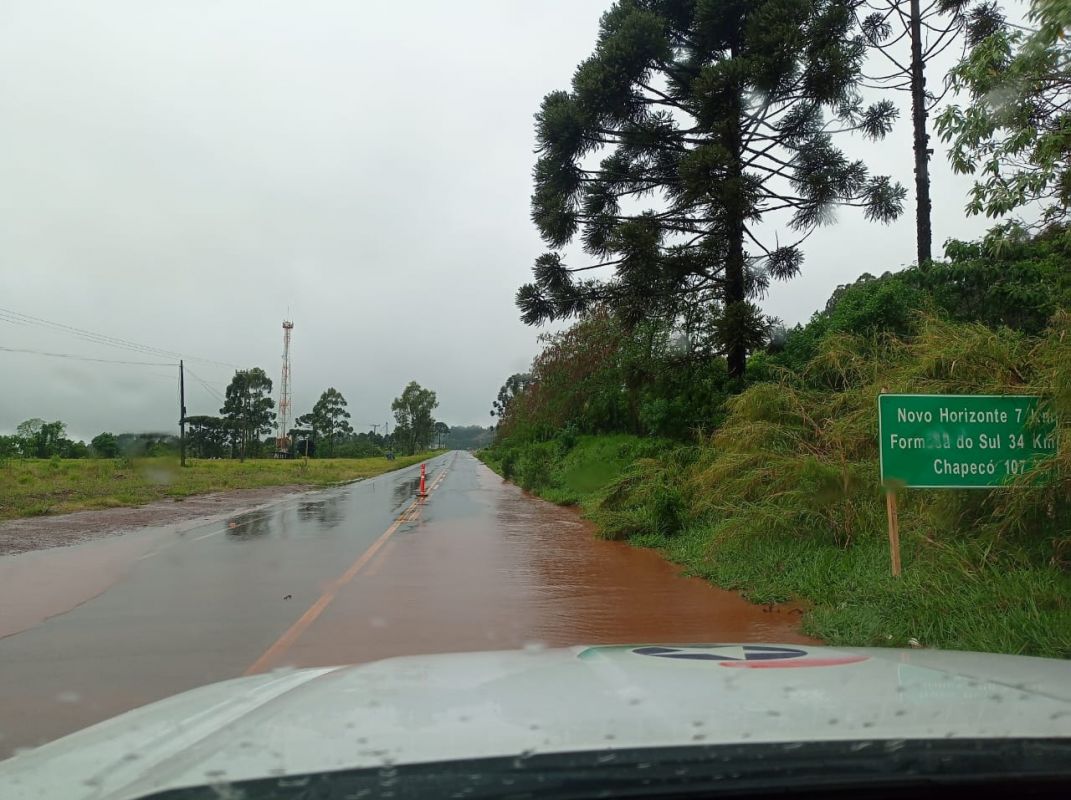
(936, 48)
(903, 86)
(666, 99)
(765, 153)
(752, 237)
(779, 172)
(595, 266)
(792, 200)
(900, 68)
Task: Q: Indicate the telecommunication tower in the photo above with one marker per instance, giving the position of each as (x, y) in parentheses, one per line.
(282, 438)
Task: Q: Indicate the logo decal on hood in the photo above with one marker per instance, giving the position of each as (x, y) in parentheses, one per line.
(749, 656)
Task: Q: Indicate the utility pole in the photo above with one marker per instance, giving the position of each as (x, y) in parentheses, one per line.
(182, 413)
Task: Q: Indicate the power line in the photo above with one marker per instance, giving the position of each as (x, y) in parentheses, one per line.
(206, 385)
(26, 319)
(211, 392)
(22, 319)
(17, 318)
(88, 358)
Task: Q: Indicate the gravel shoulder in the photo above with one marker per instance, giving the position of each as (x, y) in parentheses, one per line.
(38, 533)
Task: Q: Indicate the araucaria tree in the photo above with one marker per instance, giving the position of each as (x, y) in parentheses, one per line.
(908, 35)
(329, 420)
(715, 114)
(248, 408)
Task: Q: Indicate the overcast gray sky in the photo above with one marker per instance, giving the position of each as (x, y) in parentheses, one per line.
(184, 174)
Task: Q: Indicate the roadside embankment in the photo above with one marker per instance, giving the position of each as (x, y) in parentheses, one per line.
(784, 502)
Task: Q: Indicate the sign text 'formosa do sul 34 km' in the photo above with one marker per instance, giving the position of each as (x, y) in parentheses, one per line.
(944, 441)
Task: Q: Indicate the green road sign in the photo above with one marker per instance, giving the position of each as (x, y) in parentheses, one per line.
(947, 441)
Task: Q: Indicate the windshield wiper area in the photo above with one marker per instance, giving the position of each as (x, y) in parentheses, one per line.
(903, 768)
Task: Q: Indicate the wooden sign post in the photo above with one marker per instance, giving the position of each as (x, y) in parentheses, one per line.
(894, 532)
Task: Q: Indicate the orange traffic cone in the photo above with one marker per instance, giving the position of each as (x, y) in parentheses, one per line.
(423, 476)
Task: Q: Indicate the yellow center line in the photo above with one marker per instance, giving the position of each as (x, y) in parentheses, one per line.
(284, 642)
(377, 563)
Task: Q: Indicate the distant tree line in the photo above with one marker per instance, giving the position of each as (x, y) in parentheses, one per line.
(244, 426)
(469, 437)
(35, 438)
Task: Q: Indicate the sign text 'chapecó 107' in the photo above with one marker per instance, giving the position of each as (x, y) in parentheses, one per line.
(932, 441)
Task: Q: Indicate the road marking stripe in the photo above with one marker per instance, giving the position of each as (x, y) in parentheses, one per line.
(375, 566)
(213, 533)
(284, 642)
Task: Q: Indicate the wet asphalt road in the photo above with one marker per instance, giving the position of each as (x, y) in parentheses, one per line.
(357, 573)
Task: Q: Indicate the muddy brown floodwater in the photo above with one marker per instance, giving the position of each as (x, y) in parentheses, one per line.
(487, 566)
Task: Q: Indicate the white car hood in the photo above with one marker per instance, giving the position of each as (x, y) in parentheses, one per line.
(473, 705)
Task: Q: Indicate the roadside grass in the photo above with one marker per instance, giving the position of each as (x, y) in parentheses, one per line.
(36, 487)
(943, 599)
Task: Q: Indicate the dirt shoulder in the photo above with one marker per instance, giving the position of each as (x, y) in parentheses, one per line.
(38, 533)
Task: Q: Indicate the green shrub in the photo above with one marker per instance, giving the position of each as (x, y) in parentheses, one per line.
(534, 466)
(508, 463)
(667, 510)
(566, 440)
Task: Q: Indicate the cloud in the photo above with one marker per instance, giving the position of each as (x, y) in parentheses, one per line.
(185, 175)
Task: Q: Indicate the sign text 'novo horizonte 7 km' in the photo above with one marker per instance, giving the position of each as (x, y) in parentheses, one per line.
(931, 441)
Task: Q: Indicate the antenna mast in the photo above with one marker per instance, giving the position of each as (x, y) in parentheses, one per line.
(282, 436)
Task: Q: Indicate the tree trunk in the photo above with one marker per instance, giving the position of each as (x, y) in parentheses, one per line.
(735, 294)
(923, 233)
(734, 298)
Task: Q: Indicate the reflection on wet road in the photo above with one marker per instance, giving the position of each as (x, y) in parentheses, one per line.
(351, 574)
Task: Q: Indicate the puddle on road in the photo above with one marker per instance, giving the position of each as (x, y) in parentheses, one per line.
(404, 492)
(251, 525)
(328, 512)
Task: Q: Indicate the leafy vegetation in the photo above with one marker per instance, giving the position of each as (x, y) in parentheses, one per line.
(602, 375)
(412, 412)
(1015, 132)
(326, 425)
(1007, 280)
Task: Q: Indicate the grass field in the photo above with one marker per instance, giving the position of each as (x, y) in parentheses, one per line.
(33, 487)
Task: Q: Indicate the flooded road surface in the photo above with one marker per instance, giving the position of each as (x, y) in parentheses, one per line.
(352, 574)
